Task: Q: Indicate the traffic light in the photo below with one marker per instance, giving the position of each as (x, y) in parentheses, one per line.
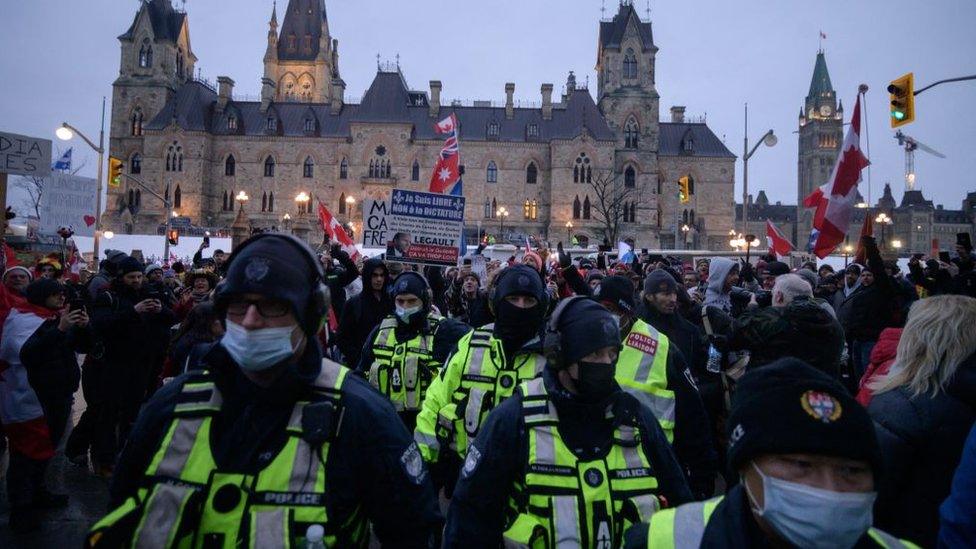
(684, 189)
(902, 92)
(114, 172)
(173, 236)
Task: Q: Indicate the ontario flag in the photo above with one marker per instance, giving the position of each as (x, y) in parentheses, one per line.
(446, 178)
(778, 244)
(835, 200)
(334, 230)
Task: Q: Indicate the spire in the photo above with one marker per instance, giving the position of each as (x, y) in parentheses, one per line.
(269, 53)
(304, 31)
(820, 83)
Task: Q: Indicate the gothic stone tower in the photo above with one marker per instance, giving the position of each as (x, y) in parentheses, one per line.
(821, 135)
(629, 102)
(302, 62)
(156, 60)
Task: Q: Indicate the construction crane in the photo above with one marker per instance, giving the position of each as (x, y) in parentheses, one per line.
(911, 145)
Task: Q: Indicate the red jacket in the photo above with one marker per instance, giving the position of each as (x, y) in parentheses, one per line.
(882, 356)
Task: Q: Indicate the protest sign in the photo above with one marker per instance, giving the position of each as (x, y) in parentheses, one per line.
(68, 200)
(415, 227)
(20, 154)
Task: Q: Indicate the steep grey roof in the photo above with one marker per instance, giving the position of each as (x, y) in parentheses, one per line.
(820, 83)
(302, 18)
(612, 32)
(387, 101)
(914, 198)
(703, 141)
(950, 216)
(166, 22)
(777, 213)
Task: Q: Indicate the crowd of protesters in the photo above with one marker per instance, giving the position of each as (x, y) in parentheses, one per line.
(895, 350)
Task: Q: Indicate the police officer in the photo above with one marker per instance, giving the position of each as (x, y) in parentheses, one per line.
(572, 460)
(486, 368)
(269, 444)
(808, 460)
(652, 368)
(398, 356)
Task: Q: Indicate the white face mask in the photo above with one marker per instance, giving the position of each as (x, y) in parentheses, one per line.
(405, 314)
(258, 350)
(812, 517)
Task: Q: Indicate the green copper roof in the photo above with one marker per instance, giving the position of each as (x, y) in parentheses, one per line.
(820, 83)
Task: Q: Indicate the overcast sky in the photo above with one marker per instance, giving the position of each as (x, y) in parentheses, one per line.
(59, 57)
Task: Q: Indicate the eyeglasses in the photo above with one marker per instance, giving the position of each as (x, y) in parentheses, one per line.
(266, 308)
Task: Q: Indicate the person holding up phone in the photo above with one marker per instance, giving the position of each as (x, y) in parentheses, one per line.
(47, 355)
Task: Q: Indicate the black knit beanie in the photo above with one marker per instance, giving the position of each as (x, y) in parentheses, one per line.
(586, 326)
(790, 407)
(41, 289)
(660, 281)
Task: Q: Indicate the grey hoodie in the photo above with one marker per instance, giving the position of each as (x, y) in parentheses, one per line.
(718, 271)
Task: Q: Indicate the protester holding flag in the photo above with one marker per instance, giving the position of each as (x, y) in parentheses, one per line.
(870, 309)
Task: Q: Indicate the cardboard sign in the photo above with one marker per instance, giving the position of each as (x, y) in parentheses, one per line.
(68, 200)
(23, 155)
(425, 228)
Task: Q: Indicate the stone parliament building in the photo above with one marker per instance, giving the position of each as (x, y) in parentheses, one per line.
(199, 146)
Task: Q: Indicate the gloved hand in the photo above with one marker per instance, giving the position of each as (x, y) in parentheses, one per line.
(746, 273)
(338, 253)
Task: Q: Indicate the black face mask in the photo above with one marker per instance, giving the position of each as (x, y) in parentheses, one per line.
(595, 382)
(515, 324)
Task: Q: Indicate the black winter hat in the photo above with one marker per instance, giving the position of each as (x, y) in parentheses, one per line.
(586, 326)
(618, 290)
(38, 291)
(963, 239)
(519, 280)
(129, 265)
(777, 268)
(272, 267)
(660, 281)
(788, 406)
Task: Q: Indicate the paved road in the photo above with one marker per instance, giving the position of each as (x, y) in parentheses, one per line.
(65, 528)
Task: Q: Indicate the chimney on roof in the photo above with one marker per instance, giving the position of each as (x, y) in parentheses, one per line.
(435, 97)
(510, 100)
(547, 101)
(267, 93)
(677, 114)
(225, 92)
(338, 93)
(749, 199)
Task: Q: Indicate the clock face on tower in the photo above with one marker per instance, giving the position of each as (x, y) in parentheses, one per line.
(825, 110)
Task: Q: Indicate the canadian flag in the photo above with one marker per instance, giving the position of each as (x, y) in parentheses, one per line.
(334, 230)
(778, 244)
(835, 200)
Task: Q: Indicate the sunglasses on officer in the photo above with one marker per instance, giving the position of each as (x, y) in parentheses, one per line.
(267, 307)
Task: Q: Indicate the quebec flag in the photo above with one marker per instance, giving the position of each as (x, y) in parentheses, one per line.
(63, 163)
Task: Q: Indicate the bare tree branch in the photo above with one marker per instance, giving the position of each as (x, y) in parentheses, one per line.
(612, 202)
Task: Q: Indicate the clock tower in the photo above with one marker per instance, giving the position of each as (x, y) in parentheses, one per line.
(821, 136)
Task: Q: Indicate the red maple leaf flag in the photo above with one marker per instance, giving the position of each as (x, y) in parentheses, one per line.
(836, 199)
(778, 244)
(334, 230)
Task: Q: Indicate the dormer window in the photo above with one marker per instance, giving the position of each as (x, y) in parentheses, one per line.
(493, 130)
(272, 124)
(145, 54)
(291, 42)
(308, 43)
(309, 125)
(533, 130)
(231, 122)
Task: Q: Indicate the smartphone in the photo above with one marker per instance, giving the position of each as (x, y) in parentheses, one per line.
(467, 261)
(76, 305)
(944, 257)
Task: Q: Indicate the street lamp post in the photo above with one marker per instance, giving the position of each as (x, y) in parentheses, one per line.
(750, 241)
(684, 229)
(302, 199)
(770, 140)
(66, 132)
(848, 249)
(502, 213)
(883, 220)
(569, 233)
(350, 207)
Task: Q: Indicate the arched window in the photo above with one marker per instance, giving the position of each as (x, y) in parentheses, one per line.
(225, 208)
(136, 122)
(631, 134)
(342, 203)
(487, 211)
(576, 208)
(691, 217)
(166, 193)
(630, 64)
(269, 167)
(135, 165)
(582, 170)
(531, 173)
(179, 62)
(494, 208)
(491, 175)
(230, 166)
(586, 208)
(174, 158)
(308, 169)
(146, 54)
(372, 169)
(415, 171)
(344, 169)
(684, 217)
(231, 121)
(138, 198)
(271, 201)
(264, 201)
(132, 198)
(178, 198)
(630, 177)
